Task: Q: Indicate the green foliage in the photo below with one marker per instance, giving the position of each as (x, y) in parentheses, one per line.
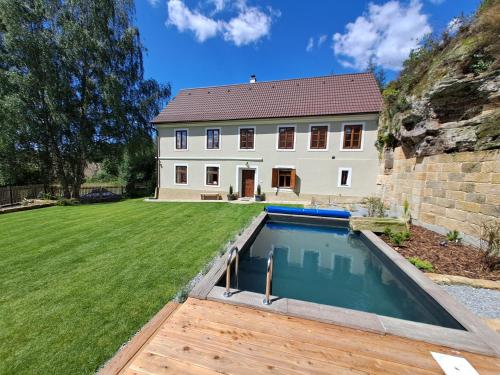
(490, 243)
(397, 238)
(406, 214)
(230, 189)
(453, 236)
(259, 191)
(421, 264)
(375, 206)
(480, 63)
(71, 88)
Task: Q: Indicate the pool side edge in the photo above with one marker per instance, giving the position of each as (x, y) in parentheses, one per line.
(468, 320)
(203, 288)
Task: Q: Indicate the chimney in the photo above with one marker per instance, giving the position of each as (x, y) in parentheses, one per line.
(253, 78)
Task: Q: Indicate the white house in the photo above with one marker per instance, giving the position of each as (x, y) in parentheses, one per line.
(299, 139)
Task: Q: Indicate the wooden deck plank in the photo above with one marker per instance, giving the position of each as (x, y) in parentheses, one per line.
(286, 346)
(206, 337)
(151, 363)
(388, 347)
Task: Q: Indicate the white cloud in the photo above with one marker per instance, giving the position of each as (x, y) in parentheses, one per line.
(310, 44)
(248, 25)
(218, 5)
(154, 3)
(437, 2)
(183, 18)
(386, 34)
(322, 39)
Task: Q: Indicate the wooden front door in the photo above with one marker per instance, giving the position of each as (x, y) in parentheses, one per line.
(247, 182)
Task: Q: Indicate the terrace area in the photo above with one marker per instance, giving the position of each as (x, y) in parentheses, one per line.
(208, 337)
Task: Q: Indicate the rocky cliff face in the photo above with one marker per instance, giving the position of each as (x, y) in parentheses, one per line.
(447, 98)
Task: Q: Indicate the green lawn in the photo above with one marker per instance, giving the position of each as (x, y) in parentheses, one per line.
(77, 282)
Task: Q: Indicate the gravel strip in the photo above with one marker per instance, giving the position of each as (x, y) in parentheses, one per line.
(482, 302)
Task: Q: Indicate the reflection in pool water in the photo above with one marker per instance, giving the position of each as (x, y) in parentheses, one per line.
(333, 266)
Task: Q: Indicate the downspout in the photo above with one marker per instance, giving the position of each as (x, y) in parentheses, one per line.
(157, 190)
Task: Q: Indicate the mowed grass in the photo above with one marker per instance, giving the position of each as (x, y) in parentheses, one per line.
(78, 282)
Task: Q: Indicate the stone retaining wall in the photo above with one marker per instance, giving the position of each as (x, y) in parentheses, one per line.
(455, 191)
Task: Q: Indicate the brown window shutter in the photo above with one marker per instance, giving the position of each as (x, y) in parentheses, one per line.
(293, 179)
(274, 181)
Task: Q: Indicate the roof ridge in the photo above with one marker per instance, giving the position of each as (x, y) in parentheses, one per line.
(274, 80)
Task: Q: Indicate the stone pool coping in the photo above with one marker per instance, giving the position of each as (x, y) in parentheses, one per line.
(462, 280)
(477, 337)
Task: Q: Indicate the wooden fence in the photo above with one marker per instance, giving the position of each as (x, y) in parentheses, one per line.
(16, 194)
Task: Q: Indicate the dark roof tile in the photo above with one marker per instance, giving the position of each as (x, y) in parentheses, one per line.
(317, 96)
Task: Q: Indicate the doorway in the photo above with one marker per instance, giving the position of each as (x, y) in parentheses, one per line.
(247, 182)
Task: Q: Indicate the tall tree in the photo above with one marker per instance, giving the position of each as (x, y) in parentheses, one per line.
(75, 70)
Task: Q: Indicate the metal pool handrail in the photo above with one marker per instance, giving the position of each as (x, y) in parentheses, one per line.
(228, 293)
(269, 278)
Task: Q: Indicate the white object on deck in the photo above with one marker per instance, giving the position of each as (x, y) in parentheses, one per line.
(452, 365)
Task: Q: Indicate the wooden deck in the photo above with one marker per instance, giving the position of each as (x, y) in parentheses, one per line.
(205, 337)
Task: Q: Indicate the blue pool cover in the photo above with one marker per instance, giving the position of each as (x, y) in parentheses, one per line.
(308, 211)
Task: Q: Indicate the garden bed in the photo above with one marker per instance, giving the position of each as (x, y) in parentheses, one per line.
(453, 259)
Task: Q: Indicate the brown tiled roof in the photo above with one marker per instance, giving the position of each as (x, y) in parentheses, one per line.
(317, 96)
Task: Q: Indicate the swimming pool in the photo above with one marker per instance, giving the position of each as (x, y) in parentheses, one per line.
(333, 266)
(325, 272)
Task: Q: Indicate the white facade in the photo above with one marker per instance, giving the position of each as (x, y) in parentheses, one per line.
(333, 173)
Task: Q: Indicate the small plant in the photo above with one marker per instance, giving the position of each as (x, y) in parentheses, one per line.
(407, 214)
(397, 238)
(490, 244)
(375, 206)
(453, 236)
(421, 264)
(231, 196)
(259, 197)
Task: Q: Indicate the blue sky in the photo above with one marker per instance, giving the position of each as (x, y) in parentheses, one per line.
(195, 43)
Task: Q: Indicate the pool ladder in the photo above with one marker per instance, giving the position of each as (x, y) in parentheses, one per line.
(269, 274)
(269, 278)
(228, 292)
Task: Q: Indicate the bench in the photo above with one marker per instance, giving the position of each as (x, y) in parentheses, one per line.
(211, 197)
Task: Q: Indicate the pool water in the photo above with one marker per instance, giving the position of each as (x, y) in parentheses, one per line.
(333, 266)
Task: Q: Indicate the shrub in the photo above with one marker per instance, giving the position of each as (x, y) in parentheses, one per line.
(259, 192)
(421, 264)
(453, 236)
(375, 206)
(397, 238)
(490, 244)
(230, 189)
(67, 202)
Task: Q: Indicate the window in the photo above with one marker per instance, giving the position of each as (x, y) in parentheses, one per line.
(286, 138)
(284, 178)
(318, 137)
(212, 176)
(344, 177)
(213, 139)
(181, 139)
(352, 137)
(181, 174)
(247, 138)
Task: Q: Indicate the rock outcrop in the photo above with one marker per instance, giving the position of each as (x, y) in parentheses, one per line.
(447, 98)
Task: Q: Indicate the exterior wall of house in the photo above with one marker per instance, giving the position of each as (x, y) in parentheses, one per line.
(456, 191)
(317, 171)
